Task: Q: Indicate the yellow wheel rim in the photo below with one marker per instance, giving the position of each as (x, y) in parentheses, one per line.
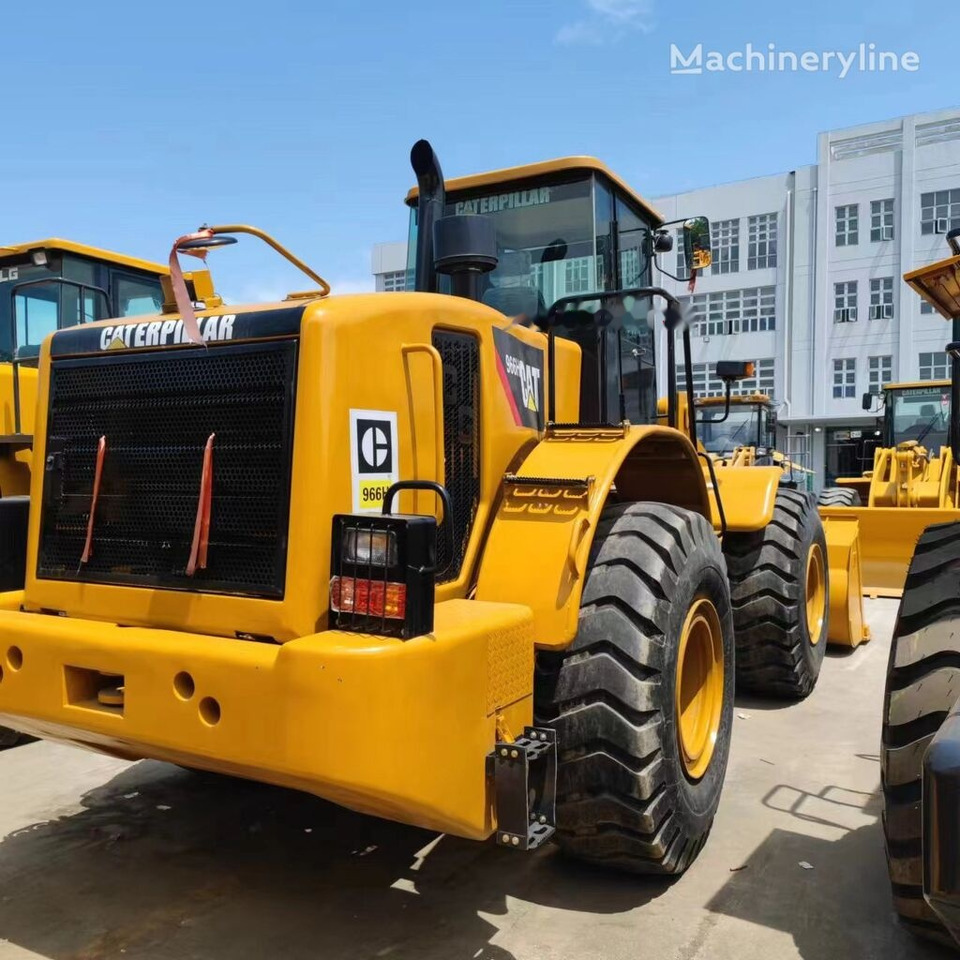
(699, 687)
(816, 594)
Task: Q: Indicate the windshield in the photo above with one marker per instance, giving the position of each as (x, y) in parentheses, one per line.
(740, 429)
(921, 414)
(547, 242)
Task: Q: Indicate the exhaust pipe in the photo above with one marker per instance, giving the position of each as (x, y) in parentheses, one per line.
(430, 201)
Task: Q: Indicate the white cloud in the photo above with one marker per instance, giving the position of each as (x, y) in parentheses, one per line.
(608, 20)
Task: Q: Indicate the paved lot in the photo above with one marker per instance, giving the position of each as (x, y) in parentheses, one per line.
(105, 859)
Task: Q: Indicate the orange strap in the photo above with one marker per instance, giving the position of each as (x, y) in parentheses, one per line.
(201, 527)
(97, 474)
(185, 307)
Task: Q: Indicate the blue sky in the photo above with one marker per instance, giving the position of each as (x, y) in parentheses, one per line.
(127, 124)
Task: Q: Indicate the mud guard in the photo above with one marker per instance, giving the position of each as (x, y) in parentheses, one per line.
(539, 541)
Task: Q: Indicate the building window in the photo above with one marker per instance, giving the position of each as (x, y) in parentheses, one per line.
(699, 379)
(881, 298)
(725, 244)
(576, 276)
(762, 241)
(848, 225)
(844, 378)
(845, 301)
(706, 384)
(881, 220)
(926, 307)
(933, 366)
(727, 312)
(394, 281)
(881, 372)
(939, 211)
(682, 272)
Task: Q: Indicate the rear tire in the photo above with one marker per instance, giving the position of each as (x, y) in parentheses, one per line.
(774, 572)
(920, 690)
(839, 497)
(638, 780)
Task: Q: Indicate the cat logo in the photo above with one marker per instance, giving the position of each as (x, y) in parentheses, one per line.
(162, 333)
(529, 378)
(520, 366)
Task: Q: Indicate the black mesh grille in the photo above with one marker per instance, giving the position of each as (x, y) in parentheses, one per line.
(460, 353)
(157, 410)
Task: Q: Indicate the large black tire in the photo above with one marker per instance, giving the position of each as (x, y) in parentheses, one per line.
(778, 652)
(624, 795)
(921, 688)
(839, 497)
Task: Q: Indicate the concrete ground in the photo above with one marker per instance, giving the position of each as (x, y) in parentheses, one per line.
(103, 859)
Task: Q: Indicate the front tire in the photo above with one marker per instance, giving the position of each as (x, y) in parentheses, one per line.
(642, 701)
(920, 691)
(779, 585)
(839, 497)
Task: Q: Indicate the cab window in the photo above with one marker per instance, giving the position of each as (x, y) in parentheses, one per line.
(42, 308)
(135, 297)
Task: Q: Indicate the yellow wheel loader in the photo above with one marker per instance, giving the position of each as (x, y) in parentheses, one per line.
(430, 555)
(914, 480)
(920, 748)
(44, 286)
(740, 431)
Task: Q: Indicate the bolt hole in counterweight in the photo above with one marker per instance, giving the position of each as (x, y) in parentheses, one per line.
(210, 711)
(183, 685)
(15, 658)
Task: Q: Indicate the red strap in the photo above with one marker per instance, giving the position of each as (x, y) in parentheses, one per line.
(692, 285)
(190, 326)
(201, 527)
(97, 474)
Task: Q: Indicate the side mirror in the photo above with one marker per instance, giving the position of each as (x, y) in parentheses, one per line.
(662, 241)
(696, 243)
(867, 402)
(729, 371)
(555, 250)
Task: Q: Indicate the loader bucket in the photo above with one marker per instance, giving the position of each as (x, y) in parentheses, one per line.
(887, 538)
(846, 627)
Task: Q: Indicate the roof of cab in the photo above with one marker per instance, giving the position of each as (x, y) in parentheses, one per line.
(918, 385)
(544, 168)
(740, 399)
(69, 246)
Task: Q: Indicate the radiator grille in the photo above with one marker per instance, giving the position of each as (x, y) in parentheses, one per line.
(460, 353)
(157, 410)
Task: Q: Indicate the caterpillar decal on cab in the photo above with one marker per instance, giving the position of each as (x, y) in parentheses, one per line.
(520, 367)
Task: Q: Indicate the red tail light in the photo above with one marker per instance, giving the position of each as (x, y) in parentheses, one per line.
(372, 598)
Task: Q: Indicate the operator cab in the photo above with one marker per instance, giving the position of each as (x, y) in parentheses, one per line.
(750, 423)
(918, 412)
(52, 284)
(574, 248)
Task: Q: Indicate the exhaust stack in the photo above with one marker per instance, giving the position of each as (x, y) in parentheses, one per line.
(430, 203)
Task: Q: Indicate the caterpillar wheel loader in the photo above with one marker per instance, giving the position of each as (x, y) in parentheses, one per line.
(740, 431)
(920, 749)
(44, 286)
(406, 551)
(914, 480)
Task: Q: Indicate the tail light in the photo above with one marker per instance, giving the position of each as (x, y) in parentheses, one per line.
(383, 569)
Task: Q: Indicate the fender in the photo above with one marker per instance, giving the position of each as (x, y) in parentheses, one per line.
(539, 541)
(748, 495)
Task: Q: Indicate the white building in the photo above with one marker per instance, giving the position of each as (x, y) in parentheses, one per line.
(389, 265)
(806, 279)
